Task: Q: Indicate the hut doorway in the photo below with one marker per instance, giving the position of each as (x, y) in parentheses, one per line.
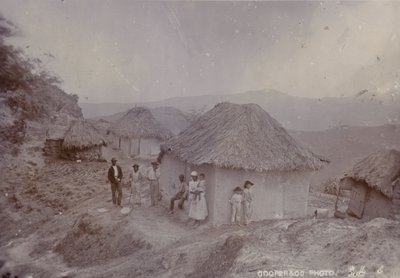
(357, 200)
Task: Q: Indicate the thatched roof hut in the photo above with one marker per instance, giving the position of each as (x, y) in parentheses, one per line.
(379, 171)
(82, 135)
(233, 143)
(139, 122)
(242, 137)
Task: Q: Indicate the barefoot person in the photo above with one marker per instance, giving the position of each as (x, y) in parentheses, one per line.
(134, 178)
(115, 177)
(198, 205)
(181, 195)
(247, 201)
(236, 204)
(153, 175)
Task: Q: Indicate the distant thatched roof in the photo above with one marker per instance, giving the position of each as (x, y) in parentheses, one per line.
(242, 137)
(379, 170)
(56, 132)
(101, 124)
(139, 122)
(82, 134)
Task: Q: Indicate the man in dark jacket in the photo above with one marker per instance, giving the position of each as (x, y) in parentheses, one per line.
(115, 177)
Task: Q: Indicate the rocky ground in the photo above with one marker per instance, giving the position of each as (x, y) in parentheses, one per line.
(57, 220)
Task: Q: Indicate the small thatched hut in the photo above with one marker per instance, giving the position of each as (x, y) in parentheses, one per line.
(82, 141)
(233, 143)
(138, 133)
(375, 185)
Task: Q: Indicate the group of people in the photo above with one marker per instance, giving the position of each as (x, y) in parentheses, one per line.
(193, 192)
(152, 175)
(241, 200)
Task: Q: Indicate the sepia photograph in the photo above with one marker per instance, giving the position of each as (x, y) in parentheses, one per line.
(199, 139)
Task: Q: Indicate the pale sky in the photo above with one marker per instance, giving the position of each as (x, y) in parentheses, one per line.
(130, 51)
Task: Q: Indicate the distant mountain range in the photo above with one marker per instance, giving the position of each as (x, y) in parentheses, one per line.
(296, 113)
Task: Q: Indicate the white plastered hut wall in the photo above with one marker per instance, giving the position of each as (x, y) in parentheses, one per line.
(149, 147)
(276, 194)
(144, 147)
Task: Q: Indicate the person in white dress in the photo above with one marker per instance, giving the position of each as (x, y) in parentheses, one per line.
(134, 178)
(198, 204)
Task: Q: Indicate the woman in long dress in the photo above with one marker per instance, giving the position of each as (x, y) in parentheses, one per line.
(198, 204)
(135, 178)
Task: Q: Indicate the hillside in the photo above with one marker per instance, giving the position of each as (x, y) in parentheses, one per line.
(344, 146)
(297, 113)
(29, 96)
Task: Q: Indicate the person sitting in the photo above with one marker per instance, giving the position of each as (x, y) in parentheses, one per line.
(181, 195)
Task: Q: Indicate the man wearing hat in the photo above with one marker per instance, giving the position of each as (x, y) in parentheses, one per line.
(115, 177)
(135, 178)
(153, 175)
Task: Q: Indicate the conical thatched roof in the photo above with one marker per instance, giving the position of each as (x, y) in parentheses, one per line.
(101, 124)
(82, 134)
(242, 137)
(139, 122)
(378, 170)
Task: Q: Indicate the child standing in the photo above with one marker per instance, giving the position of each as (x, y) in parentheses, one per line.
(236, 202)
(247, 201)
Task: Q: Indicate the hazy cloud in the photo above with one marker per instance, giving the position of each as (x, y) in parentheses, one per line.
(127, 51)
